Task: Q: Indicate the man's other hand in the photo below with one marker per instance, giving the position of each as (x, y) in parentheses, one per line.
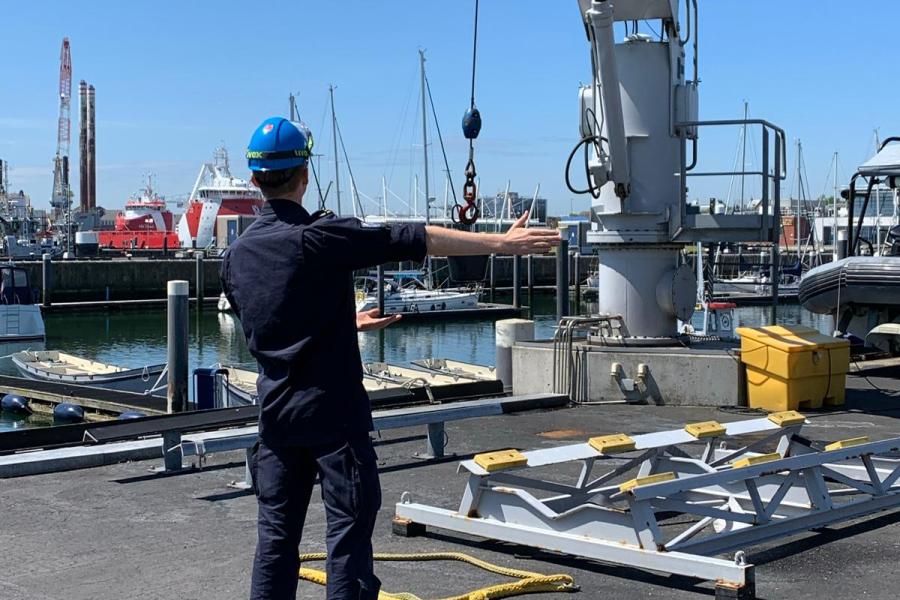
(522, 240)
(371, 320)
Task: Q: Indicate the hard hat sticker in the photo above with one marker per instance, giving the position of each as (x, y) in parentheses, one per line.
(268, 127)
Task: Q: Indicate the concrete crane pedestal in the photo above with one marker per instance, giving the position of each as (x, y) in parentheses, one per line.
(704, 374)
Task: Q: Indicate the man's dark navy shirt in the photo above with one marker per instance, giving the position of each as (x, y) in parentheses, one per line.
(289, 278)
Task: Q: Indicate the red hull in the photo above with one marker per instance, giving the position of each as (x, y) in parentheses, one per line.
(139, 240)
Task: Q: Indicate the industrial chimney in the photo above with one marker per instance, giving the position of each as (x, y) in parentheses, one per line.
(83, 177)
(92, 150)
(87, 149)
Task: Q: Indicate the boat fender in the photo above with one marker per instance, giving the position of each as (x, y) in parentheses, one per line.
(131, 414)
(443, 306)
(15, 404)
(68, 413)
(433, 307)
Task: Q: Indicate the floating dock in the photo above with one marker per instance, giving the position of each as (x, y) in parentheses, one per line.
(99, 403)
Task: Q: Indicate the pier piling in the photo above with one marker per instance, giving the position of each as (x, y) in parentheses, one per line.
(177, 346)
(45, 279)
(562, 278)
(577, 276)
(199, 281)
(529, 268)
(379, 274)
(492, 280)
(517, 281)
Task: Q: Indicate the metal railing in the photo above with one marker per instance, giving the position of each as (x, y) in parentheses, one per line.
(769, 222)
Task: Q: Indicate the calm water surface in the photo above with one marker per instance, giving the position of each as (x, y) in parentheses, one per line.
(135, 339)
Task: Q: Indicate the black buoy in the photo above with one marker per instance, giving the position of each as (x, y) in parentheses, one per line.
(131, 414)
(65, 412)
(15, 404)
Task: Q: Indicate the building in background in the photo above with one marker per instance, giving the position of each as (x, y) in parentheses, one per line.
(513, 205)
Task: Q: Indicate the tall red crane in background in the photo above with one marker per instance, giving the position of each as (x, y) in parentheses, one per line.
(61, 198)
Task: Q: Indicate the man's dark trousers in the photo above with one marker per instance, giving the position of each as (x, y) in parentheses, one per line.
(284, 477)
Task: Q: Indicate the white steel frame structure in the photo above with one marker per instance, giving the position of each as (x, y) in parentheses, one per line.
(725, 500)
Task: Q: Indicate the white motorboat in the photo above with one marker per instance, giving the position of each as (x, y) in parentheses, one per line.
(405, 292)
(755, 284)
(50, 365)
(20, 318)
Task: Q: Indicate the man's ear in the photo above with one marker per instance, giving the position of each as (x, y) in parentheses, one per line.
(304, 175)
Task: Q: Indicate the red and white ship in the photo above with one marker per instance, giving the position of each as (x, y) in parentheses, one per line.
(145, 223)
(216, 193)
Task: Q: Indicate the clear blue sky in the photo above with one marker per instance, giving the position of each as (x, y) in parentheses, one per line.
(175, 79)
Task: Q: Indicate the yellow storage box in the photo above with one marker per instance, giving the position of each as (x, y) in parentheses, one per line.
(793, 367)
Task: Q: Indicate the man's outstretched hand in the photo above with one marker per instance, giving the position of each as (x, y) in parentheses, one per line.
(522, 240)
(370, 320)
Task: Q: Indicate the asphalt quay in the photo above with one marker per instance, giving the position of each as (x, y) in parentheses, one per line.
(121, 531)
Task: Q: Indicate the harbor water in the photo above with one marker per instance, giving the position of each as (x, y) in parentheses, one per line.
(138, 338)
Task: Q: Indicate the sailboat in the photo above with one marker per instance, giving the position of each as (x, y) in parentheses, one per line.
(416, 291)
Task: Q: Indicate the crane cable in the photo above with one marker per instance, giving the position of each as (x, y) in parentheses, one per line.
(467, 215)
(529, 583)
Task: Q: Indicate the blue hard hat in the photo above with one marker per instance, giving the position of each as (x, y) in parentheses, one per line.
(279, 144)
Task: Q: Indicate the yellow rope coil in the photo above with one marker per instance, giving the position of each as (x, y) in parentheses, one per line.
(529, 583)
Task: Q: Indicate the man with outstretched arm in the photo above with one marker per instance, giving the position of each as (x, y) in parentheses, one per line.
(289, 278)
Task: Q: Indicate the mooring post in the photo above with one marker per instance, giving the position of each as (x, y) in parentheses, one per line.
(177, 346)
(379, 275)
(46, 279)
(517, 281)
(491, 279)
(562, 276)
(507, 333)
(577, 269)
(199, 280)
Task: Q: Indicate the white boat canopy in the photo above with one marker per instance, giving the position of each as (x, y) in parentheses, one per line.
(886, 163)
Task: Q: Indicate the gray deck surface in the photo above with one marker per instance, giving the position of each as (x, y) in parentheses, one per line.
(119, 532)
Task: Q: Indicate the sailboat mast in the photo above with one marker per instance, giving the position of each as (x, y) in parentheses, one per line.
(425, 135)
(877, 204)
(337, 179)
(799, 196)
(743, 154)
(834, 210)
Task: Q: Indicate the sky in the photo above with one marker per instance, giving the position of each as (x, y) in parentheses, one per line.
(175, 80)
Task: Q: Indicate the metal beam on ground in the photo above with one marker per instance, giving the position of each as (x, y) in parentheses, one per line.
(659, 507)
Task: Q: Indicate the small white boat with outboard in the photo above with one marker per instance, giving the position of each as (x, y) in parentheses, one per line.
(58, 367)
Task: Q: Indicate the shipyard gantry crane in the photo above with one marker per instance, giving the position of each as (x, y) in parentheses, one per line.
(61, 198)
